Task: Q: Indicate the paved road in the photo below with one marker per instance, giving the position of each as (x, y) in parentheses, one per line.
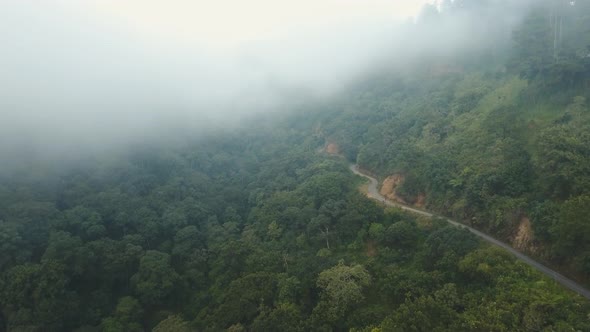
(373, 192)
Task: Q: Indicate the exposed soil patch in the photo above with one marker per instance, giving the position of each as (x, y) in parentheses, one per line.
(332, 149)
(388, 189)
(524, 237)
(420, 201)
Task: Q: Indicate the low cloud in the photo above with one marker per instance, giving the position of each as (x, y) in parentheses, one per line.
(79, 74)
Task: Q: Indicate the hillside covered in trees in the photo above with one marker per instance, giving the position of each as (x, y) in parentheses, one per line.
(247, 233)
(262, 229)
(498, 143)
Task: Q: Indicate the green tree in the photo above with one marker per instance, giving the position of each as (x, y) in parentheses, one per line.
(173, 323)
(127, 316)
(422, 314)
(533, 52)
(342, 288)
(244, 298)
(156, 280)
(13, 248)
(573, 231)
(37, 295)
(402, 235)
(285, 317)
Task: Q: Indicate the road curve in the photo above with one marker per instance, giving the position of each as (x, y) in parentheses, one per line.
(373, 193)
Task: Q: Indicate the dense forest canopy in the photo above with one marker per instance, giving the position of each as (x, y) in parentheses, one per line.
(264, 227)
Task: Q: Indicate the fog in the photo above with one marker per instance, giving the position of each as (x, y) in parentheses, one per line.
(82, 74)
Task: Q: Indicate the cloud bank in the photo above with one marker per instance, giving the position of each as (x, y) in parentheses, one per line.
(97, 73)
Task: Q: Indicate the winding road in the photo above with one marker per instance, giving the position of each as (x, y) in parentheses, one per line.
(373, 193)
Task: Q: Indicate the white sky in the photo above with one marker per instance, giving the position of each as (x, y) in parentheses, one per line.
(109, 69)
(228, 23)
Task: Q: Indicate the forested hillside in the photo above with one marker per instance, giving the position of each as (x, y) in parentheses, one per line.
(502, 144)
(264, 227)
(255, 232)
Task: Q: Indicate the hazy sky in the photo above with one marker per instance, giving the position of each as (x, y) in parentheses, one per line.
(227, 23)
(75, 71)
(76, 74)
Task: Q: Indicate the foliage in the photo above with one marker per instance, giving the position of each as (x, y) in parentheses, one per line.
(492, 141)
(249, 230)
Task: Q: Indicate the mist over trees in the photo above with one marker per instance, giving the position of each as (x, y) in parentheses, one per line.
(235, 209)
(78, 80)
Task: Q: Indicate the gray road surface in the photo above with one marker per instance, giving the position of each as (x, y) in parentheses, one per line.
(373, 192)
